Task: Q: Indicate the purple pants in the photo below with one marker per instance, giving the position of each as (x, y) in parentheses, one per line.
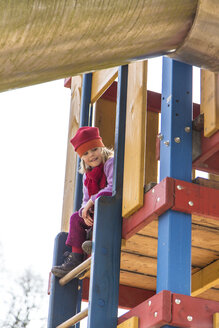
(77, 230)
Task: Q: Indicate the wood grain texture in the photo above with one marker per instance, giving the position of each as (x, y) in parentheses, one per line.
(134, 164)
(151, 163)
(210, 101)
(130, 323)
(101, 80)
(71, 158)
(205, 279)
(105, 116)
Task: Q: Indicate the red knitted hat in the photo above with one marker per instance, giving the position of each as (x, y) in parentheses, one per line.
(86, 138)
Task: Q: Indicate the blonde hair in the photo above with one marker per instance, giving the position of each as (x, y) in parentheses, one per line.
(106, 154)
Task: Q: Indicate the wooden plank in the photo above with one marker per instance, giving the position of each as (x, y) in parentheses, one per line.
(205, 237)
(138, 264)
(71, 158)
(151, 162)
(210, 101)
(134, 164)
(147, 246)
(210, 294)
(216, 320)
(101, 80)
(207, 183)
(206, 278)
(130, 323)
(137, 280)
(104, 119)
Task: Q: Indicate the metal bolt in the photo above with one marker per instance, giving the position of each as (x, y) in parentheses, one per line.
(153, 191)
(149, 303)
(177, 139)
(79, 287)
(177, 301)
(158, 199)
(187, 129)
(189, 318)
(160, 136)
(191, 203)
(166, 143)
(155, 314)
(179, 187)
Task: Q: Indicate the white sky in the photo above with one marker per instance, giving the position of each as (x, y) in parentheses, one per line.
(33, 139)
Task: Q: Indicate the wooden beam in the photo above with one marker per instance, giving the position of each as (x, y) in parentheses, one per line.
(71, 159)
(210, 101)
(101, 81)
(151, 162)
(134, 163)
(216, 320)
(205, 279)
(130, 323)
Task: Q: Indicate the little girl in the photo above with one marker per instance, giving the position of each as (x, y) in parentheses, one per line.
(97, 169)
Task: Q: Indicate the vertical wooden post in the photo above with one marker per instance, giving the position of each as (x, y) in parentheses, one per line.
(71, 159)
(210, 101)
(134, 165)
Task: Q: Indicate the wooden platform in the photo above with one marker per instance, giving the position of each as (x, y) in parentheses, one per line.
(139, 256)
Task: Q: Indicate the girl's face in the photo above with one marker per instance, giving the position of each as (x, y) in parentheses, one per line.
(93, 157)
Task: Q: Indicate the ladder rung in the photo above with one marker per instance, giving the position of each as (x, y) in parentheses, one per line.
(75, 272)
(76, 318)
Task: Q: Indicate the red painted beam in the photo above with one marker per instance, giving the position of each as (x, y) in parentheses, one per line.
(129, 297)
(173, 194)
(155, 312)
(67, 82)
(192, 312)
(156, 202)
(166, 308)
(209, 159)
(195, 199)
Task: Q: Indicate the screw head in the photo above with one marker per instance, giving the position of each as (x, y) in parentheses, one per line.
(160, 136)
(177, 139)
(155, 314)
(166, 143)
(191, 203)
(158, 199)
(149, 303)
(179, 187)
(187, 129)
(177, 301)
(189, 318)
(153, 191)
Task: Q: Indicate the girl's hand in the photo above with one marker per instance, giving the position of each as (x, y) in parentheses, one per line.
(86, 213)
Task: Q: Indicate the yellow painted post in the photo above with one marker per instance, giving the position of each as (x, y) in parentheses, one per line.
(134, 164)
(101, 80)
(216, 320)
(71, 159)
(130, 323)
(151, 136)
(210, 101)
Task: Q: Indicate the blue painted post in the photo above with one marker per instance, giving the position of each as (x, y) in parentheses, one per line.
(174, 228)
(65, 301)
(105, 268)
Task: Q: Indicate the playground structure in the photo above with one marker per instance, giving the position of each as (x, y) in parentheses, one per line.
(159, 259)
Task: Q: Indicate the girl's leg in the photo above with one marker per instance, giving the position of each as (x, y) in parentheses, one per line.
(77, 232)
